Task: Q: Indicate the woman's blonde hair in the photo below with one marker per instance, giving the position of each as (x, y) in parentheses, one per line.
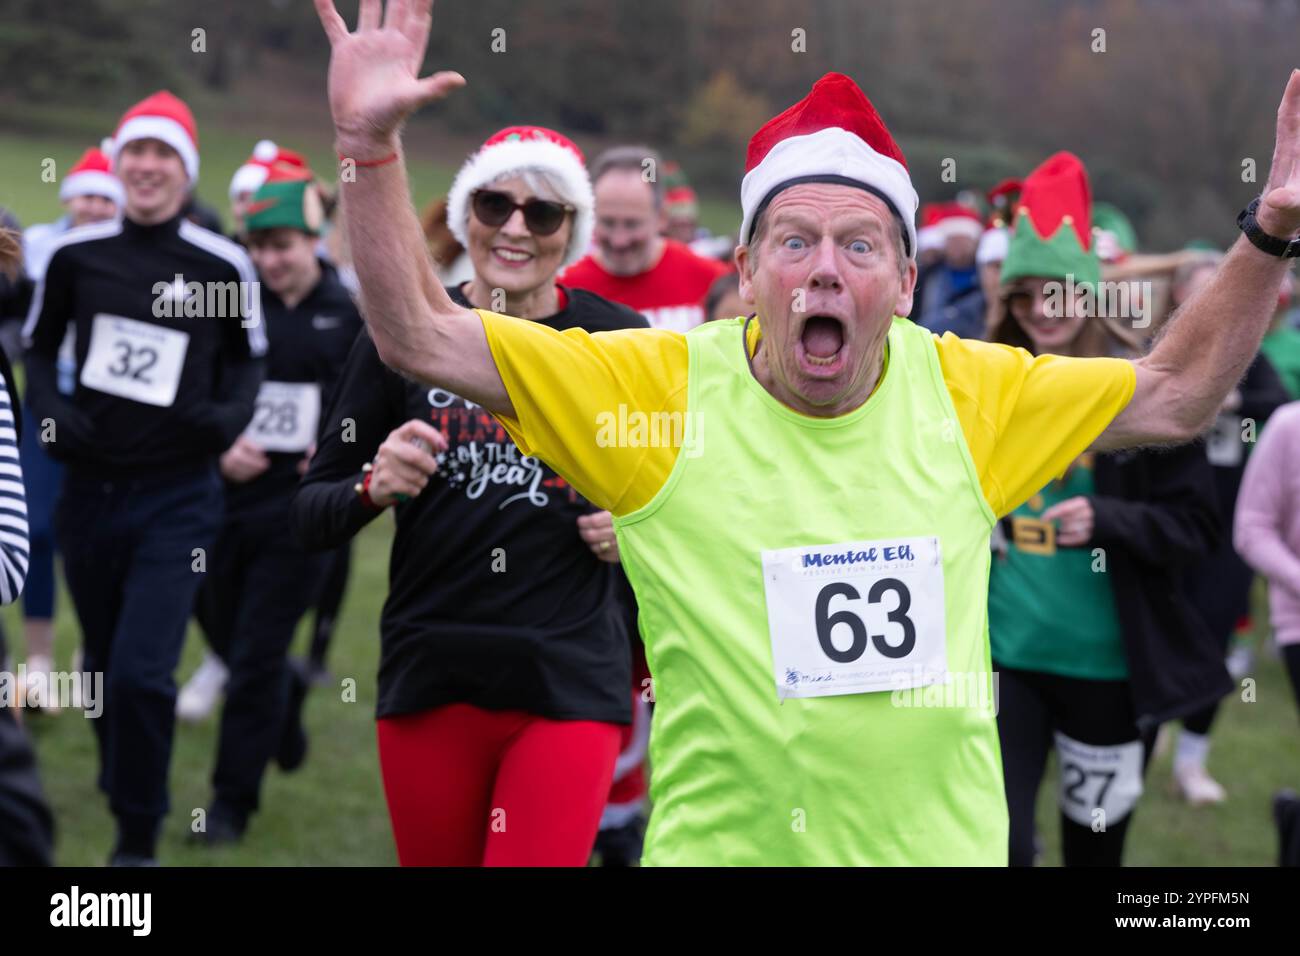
(11, 252)
(1098, 336)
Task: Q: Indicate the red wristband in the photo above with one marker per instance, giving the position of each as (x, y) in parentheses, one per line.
(362, 489)
(369, 163)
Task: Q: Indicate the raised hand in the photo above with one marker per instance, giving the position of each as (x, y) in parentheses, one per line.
(1279, 211)
(374, 74)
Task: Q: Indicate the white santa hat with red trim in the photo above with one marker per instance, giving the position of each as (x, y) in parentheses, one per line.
(939, 220)
(163, 117)
(832, 135)
(993, 246)
(92, 176)
(250, 177)
(514, 150)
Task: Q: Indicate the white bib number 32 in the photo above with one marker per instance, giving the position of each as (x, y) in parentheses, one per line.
(134, 360)
(285, 416)
(856, 617)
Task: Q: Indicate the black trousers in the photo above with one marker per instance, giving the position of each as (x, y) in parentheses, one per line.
(334, 584)
(1291, 660)
(259, 585)
(1032, 707)
(131, 553)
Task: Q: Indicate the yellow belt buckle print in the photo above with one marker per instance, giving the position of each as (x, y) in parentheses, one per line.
(1033, 536)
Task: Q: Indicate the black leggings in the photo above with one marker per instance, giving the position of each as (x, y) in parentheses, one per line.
(1032, 706)
(1291, 658)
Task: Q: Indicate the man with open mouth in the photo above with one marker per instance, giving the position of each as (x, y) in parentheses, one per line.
(826, 543)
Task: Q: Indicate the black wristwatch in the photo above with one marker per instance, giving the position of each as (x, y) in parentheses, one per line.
(1282, 248)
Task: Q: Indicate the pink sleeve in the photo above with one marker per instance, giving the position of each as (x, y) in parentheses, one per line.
(1268, 498)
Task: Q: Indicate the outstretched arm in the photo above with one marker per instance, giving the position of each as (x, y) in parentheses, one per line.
(374, 85)
(1207, 345)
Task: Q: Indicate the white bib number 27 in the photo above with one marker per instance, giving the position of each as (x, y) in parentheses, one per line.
(1099, 784)
(856, 617)
(136, 360)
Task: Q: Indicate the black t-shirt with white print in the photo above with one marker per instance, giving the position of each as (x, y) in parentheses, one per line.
(494, 599)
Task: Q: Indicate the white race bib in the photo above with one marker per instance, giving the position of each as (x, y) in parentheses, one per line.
(285, 416)
(856, 617)
(1106, 778)
(1223, 444)
(135, 360)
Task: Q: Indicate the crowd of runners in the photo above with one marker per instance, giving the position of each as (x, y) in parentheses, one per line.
(879, 570)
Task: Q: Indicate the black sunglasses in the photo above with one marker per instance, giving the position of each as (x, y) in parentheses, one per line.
(541, 216)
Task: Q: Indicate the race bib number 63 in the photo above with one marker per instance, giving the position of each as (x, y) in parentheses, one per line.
(856, 617)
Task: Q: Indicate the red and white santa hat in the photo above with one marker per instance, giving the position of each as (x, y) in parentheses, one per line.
(163, 117)
(993, 245)
(514, 150)
(939, 220)
(92, 176)
(266, 155)
(832, 135)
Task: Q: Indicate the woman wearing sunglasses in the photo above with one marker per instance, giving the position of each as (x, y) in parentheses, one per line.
(504, 662)
(1092, 638)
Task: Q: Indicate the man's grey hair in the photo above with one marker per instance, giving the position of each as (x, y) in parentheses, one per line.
(638, 159)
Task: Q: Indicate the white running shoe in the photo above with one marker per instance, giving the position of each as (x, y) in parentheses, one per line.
(1196, 786)
(198, 698)
(40, 694)
(1240, 661)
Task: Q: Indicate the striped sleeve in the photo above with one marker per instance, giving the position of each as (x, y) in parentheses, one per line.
(13, 506)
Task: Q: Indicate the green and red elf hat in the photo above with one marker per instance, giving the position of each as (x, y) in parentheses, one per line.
(287, 200)
(1002, 200)
(255, 170)
(679, 197)
(1051, 236)
(1115, 236)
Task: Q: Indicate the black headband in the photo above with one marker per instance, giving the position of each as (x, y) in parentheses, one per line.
(839, 181)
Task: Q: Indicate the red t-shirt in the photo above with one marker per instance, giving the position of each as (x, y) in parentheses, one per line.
(670, 294)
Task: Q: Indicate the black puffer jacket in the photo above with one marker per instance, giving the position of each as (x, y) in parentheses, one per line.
(1155, 514)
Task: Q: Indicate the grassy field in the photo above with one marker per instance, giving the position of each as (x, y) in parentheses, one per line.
(22, 160)
(332, 811)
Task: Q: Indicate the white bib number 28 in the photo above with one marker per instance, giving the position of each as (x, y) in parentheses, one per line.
(856, 617)
(135, 360)
(285, 416)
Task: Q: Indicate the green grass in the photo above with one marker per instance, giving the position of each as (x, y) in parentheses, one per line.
(22, 160)
(23, 191)
(330, 812)
(1255, 750)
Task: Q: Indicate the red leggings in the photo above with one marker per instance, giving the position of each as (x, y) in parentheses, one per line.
(474, 787)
